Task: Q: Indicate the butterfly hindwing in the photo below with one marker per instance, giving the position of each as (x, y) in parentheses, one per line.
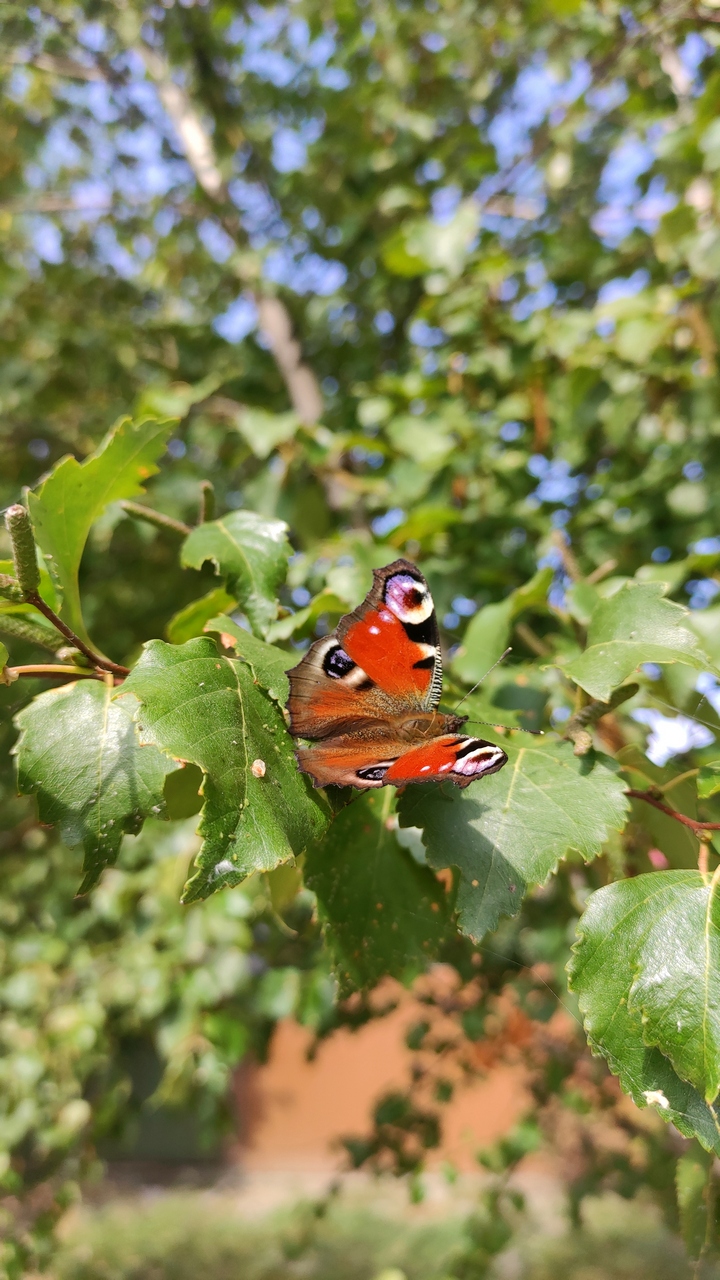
(365, 764)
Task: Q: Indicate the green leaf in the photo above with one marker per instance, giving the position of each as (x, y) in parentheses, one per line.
(76, 493)
(207, 710)
(190, 621)
(303, 622)
(653, 942)
(635, 625)
(175, 399)
(267, 663)
(708, 782)
(617, 1033)
(4, 655)
(47, 591)
(488, 633)
(511, 829)
(251, 552)
(693, 1183)
(78, 752)
(382, 912)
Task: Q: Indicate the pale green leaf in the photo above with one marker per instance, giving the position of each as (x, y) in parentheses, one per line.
(78, 752)
(510, 830)
(488, 633)
(693, 1184)
(383, 914)
(175, 399)
(76, 493)
(4, 655)
(251, 553)
(207, 709)
(635, 625)
(303, 622)
(708, 782)
(267, 663)
(264, 431)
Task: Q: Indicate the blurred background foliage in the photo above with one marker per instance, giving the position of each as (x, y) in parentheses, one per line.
(494, 232)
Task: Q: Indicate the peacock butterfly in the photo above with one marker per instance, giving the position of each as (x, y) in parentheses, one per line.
(367, 696)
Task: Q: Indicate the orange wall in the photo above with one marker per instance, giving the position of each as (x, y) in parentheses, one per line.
(300, 1110)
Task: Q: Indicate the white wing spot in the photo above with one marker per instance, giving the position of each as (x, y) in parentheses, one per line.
(425, 768)
(374, 631)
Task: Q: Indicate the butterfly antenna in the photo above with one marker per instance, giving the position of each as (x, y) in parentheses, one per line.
(479, 682)
(493, 724)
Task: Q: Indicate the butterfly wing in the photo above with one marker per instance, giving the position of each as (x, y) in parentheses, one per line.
(363, 763)
(383, 659)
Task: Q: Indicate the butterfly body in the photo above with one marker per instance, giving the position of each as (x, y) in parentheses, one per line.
(367, 695)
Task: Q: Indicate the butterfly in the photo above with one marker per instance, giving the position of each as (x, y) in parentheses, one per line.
(367, 696)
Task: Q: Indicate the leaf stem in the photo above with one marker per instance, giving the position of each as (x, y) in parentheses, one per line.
(681, 777)
(156, 518)
(53, 669)
(104, 664)
(697, 827)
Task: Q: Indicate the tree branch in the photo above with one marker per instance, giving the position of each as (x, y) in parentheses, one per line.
(274, 318)
(692, 823)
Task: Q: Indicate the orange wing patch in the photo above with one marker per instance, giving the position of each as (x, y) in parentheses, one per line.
(381, 646)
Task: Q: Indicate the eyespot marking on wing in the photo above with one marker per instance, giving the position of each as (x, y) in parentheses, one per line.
(408, 599)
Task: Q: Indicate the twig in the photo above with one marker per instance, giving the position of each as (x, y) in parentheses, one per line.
(156, 518)
(579, 725)
(103, 663)
(601, 572)
(207, 502)
(570, 564)
(692, 823)
(533, 641)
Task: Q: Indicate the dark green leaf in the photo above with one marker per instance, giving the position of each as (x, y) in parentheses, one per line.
(76, 493)
(203, 708)
(633, 626)
(510, 830)
(383, 914)
(251, 553)
(79, 753)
